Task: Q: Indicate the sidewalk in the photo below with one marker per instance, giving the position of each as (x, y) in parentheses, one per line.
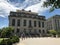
(40, 41)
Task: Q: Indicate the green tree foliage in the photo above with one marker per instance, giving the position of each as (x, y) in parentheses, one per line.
(58, 32)
(0, 32)
(7, 32)
(55, 4)
(8, 38)
(53, 32)
(2, 42)
(14, 39)
(6, 42)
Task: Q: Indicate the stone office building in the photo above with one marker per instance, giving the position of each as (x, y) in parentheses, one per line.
(27, 22)
(53, 23)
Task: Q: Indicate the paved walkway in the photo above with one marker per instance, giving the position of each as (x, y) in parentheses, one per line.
(40, 41)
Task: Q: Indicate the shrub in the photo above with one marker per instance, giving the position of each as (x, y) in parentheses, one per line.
(9, 42)
(6, 42)
(48, 35)
(53, 32)
(6, 32)
(3, 42)
(14, 39)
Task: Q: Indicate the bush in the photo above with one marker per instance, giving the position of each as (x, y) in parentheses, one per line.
(6, 32)
(3, 42)
(53, 32)
(9, 42)
(14, 39)
(6, 42)
(48, 35)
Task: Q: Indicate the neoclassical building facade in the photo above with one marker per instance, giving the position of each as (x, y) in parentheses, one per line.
(27, 22)
(53, 23)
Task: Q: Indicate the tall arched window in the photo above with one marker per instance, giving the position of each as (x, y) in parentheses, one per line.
(18, 30)
(43, 31)
(18, 22)
(42, 24)
(30, 23)
(34, 23)
(39, 23)
(24, 30)
(39, 31)
(13, 22)
(24, 23)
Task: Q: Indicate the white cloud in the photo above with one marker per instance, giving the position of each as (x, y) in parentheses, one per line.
(5, 8)
(2, 16)
(3, 26)
(37, 7)
(28, 3)
(33, 5)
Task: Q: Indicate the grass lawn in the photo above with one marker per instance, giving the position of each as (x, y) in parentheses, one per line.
(2, 39)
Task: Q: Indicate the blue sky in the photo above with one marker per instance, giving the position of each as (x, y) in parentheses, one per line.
(12, 5)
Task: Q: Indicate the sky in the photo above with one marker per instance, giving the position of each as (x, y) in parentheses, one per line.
(34, 5)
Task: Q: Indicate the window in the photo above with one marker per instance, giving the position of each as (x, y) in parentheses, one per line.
(39, 23)
(34, 23)
(30, 31)
(24, 30)
(58, 23)
(18, 22)
(35, 30)
(18, 30)
(39, 31)
(43, 24)
(30, 23)
(43, 31)
(24, 23)
(13, 22)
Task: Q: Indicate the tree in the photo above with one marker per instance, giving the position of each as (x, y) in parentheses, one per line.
(0, 32)
(55, 4)
(6, 42)
(14, 39)
(52, 32)
(7, 31)
(58, 32)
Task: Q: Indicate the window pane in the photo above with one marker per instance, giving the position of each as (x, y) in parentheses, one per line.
(43, 31)
(13, 22)
(35, 30)
(30, 23)
(18, 22)
(34, 23)
(39, 23)
(17, 30)
(39, 31)
(24, 23)
(24, 30)
(43, 24)
(29, 31)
